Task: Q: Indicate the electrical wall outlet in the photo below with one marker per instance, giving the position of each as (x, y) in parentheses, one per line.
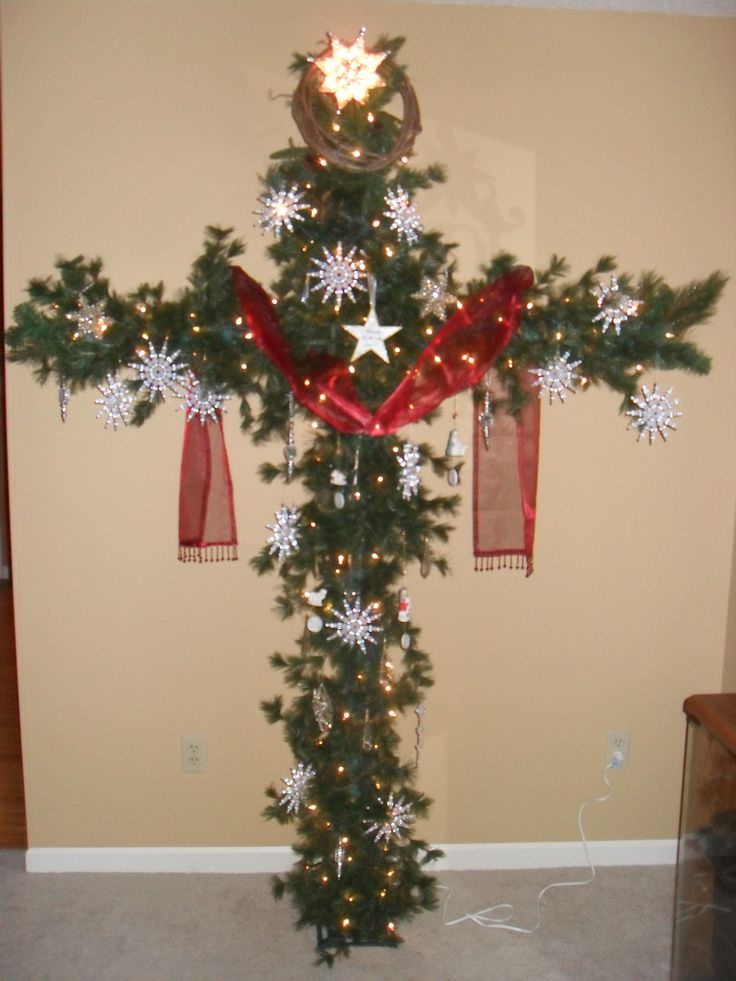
(617, 747)
(193, 754)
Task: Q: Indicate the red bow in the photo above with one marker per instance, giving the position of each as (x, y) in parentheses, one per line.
(456, 358)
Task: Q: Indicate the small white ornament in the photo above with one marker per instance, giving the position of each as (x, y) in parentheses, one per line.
(296, 789)
(159, 372)
(434, 296)
(338, 275)
(557, 377)
(404, 613)
(200, 401)
(116, 402)
(409, 470)
(356, 626)
(455, 448)
(316, 597)
(315, 623)
(371, 337)
(655, 413)
(397, 821)
(285, 539)
(338, 478)
(403, 213)
(615, 307)
(405, 642)
(281, 207)
(338, 499)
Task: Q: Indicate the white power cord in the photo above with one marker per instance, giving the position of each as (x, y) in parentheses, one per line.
(500, 921)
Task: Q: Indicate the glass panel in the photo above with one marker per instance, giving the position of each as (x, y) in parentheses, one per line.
(704, 940)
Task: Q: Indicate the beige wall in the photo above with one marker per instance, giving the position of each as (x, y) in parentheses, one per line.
(128, 128)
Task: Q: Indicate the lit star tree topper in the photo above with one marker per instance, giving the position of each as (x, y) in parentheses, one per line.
(350, 72)
(371, 336)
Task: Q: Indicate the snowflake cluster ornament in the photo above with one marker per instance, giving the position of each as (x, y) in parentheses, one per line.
(434, 296)
(159, 372)
(89, 319)
(655, 413)
(615, 307)
(558, 377)
(338, 275)
(198, 400)
(398, 819)
(285, 539)
(349, 70)
(281, 208)
(355, 626)
(409, 470)
(296, 787)
(371, 337)
(116, 402)
(405, 220)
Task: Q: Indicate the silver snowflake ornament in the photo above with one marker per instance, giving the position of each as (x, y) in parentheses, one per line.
(615, 307)
(355, 626)
(434, 296)
(655, 413)
(409, 470)
(338, 275)
(558, 377)
(116, 402)
(89, 319)
(198, 400)
(159, 371)
(405, 220)
(296, 787)
(398, 819)
(285, 538)
(281, 208)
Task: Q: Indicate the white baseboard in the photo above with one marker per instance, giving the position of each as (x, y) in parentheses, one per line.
(236, 861)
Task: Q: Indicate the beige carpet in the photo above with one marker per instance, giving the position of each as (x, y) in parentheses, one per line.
(64, 927)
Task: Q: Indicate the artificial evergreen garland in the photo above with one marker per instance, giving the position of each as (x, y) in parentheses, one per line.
(349, 245)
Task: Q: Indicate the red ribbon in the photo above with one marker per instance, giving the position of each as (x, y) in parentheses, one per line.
(206, 513)
(505, 489)
(456, 358)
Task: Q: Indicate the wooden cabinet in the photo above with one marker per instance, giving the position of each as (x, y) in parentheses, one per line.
(704, 935)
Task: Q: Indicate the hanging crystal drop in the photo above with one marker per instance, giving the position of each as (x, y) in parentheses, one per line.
(485, 417)
(65, 393)
(419, 711)
(367, 733)
(290, 448)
